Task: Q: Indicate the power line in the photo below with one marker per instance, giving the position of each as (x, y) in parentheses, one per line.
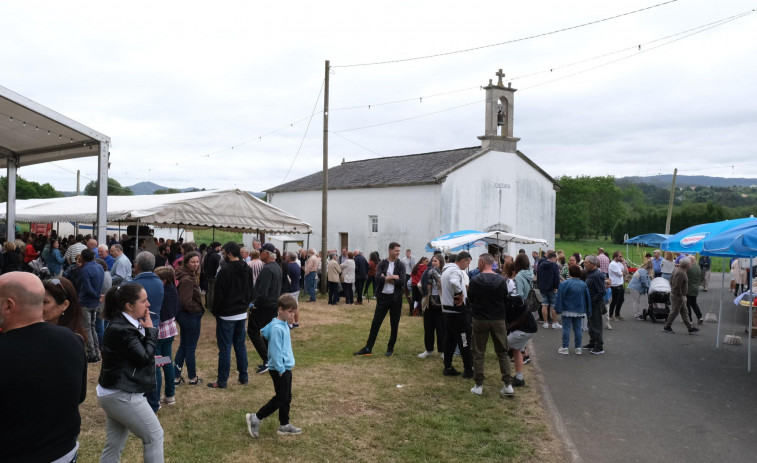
(410, 118)
(306, 131)
(697, 30)
(725, 21)
(506, 42)
(355, 143)
(635, 47)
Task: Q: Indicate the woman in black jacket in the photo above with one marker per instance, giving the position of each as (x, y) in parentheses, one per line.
(128, 371)
(10, 257)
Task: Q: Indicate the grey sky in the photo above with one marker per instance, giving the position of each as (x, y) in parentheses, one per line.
(177, 84)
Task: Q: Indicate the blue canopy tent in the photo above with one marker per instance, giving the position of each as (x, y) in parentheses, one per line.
(466, 239)
(739, 241)
(648, 239)
(451, 236)
(690, 239)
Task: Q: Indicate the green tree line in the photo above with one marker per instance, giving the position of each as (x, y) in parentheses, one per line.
(605, 207)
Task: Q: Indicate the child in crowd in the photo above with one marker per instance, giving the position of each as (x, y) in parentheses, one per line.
(280, 363)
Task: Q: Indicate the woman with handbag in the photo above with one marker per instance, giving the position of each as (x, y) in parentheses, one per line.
(433, 321)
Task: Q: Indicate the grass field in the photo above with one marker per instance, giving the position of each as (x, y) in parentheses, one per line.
(206, 236)
(634, 253)
(350, 408)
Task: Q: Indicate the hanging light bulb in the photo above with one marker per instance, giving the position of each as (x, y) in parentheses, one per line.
(36, 128)
(24, 124)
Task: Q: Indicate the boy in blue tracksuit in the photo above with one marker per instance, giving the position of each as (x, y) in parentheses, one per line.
(280, 363)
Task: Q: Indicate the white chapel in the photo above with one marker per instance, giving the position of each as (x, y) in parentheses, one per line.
(488, 187)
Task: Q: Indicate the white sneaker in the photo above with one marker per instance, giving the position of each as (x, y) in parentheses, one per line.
(563, 350)
(168, 400)
(556, 326)
(425, 354)
(478, 390)
(545, 325)
(507, 390)
(578, 351)
(253, 424)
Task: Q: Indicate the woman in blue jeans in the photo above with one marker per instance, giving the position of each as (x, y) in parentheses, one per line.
(189, 317)
(167, 332)
(573, 304)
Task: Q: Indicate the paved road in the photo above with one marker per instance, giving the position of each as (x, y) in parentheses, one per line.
(655, 396)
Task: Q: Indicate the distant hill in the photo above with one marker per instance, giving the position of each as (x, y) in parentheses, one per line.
(664, 181)
(148, 188)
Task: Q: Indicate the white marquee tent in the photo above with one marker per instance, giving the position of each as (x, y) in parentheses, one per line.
(233, 210)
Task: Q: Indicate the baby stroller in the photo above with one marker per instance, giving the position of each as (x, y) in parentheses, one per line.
(659, 300)
(38, 268)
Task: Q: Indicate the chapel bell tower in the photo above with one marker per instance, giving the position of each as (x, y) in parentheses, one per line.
(498, 133)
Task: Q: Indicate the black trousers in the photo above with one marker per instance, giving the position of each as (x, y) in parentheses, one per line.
(433, 324)
(457, 333)
(257, 319)
(359, 289)
(595, 323)
(618, 297)
(282, 385)
(691, 303)
(370, 281)
(386, 303)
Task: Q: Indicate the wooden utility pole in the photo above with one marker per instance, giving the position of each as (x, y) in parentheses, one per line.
(325, 189)
(670, 203)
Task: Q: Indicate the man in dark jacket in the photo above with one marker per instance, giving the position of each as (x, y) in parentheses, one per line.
(595, 281)
(487, 294)
(361, 274)
(92, 275)
(209, 269)
(390, 277)
(144, 264)
(679, 286)
(548, 280)
(266, 300)
(230, 303)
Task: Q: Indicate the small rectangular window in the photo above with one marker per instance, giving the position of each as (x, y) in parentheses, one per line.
(374, 223)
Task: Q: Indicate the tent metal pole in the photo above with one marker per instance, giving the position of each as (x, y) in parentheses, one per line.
(136, 243)
(720, 311)
(749, 321)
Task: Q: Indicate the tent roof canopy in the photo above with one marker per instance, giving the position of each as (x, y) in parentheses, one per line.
(233, 210)
(36, 134)
(466, 239)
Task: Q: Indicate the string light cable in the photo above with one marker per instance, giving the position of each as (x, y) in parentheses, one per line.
(507, 42)
(706, 28)
(687, 34)
(315, 105)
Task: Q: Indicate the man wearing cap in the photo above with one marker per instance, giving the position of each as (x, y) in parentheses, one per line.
(265, 303)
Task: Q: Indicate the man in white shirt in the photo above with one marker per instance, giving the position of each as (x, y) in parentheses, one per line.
(121, 270)
(616, 271)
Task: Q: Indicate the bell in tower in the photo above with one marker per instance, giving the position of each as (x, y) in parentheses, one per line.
(498, 130)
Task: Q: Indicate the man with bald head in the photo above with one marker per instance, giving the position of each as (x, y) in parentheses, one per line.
(40, 414)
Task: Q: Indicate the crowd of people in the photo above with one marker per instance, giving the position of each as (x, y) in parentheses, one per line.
(124, 316)
(97, 306)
